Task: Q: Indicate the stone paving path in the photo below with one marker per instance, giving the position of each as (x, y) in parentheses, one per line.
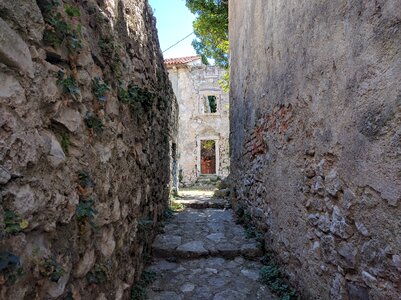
(204, 255)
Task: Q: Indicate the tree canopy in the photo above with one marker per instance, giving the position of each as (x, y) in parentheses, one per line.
(211, 30)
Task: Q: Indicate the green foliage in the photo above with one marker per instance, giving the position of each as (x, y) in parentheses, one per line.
(85, 180)
(52, 4)
(145, 225)
(59, 32)
(51, 268)
(224, 82)
(72, 11)
(140, 99)
(65, 142)
(176, 206)
(8, 262)
(271, 276)
(93, 122)
(138, 291)
(69, 85)
(250, 232)
(56, 31)
(86, 211)
(13, 222)
(243, 217)
(110, 49)
(148, 277)
(211, 29)
(99, 89)
(168, 213)
(10, 267)
(98, 275)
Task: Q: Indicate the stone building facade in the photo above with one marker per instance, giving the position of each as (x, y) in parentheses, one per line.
(315, 143)
(203, 126)
(87, 123)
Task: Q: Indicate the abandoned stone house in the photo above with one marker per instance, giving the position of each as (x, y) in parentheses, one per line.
(203, 126)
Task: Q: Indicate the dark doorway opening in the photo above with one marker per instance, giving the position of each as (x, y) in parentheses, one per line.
(208, 157)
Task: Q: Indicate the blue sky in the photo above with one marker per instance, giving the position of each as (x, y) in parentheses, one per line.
(174, 22)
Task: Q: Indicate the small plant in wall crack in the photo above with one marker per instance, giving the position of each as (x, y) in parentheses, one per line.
(65, 142)
(145, 225)
(13, 223)
(60, 32)
(10, 268)
(98, 275)
(72, 11)
(138, 291)
(271, 276)
(69, 85)
(100, 89)
(86, 212)
(139, 99)
(49, 267)
(93, 122)
(85, 180)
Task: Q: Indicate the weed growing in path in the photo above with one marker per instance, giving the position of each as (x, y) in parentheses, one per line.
(138, 291)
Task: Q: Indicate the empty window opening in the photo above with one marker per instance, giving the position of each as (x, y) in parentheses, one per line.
(210, 104)
(208, 157)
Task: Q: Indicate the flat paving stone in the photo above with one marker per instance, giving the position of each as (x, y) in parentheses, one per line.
(197, 280)
(191, 250)
(209, 258)
(194, 233)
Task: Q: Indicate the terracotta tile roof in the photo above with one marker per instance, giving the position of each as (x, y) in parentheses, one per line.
(180, 60)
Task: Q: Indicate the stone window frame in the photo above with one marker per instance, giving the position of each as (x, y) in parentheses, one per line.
(203, 94)
(214, 138)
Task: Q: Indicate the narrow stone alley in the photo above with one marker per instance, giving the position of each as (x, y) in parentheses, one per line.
(203, 254)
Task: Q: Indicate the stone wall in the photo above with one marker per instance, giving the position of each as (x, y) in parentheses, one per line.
(316, 139)
(87, 117)
(190, 83)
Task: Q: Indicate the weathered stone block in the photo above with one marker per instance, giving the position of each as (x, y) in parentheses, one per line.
(13, 50)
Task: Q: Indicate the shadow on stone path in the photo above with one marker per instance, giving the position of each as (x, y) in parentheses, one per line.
(204, 254)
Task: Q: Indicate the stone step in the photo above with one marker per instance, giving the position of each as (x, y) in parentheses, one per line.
(167, 246)
(196, 233)
(204, 203)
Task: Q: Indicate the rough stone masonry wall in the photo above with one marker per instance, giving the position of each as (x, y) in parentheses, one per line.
(87, 117)
(316, 139)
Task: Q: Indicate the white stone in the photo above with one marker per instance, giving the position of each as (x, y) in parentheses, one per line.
(368, 278)
(56, 289)
(13, 50)
(362, 229)
(192, 249)
(251, 274)
(333, 183)
(103, 152)
(396, 260)
(211, 270)
(85, 264)
(187, 287)
(112, 106)
(5, 176)
(10, 88)
(216, 237)
(24, 199)
(55, 153)
(107, 243)
(70, 118)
